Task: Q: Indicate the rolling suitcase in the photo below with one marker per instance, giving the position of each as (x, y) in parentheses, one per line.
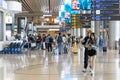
(104, 49)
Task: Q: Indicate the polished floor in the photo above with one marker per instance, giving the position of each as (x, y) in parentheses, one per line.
(41, 65)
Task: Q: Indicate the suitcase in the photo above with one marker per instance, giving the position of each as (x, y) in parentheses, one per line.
(104, 49)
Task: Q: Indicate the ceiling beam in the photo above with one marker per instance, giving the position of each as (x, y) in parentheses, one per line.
(34, 14)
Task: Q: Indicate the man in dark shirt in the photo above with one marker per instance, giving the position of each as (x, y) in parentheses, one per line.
(86, 50)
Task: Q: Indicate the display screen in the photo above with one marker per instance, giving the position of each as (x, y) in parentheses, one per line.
(81, 4)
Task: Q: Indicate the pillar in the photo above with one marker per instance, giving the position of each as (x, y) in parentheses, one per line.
(83, 32)
(74, 32)
(114, 34)
(93, 26)
(97, 27)
(78, 32)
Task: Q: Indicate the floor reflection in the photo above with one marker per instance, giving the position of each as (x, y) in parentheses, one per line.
(47, 66)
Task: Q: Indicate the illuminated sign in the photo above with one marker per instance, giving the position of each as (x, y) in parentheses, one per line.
(108, 12)
(105, 17)
(74, 4)
(105, 6)
(81, 21)
(105, 10)
(104, 1)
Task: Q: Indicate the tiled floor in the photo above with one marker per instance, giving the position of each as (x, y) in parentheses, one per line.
(41, 65)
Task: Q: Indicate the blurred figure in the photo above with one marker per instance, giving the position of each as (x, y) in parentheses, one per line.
(59, 42)
(84, 42)
(39, 40)
(92, 45)
(50, 43)
(44, 42)
(101, 43)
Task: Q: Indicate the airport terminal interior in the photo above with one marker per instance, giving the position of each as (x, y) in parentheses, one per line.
(59, 39)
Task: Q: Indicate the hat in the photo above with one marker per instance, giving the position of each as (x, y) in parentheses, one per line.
(89, 31)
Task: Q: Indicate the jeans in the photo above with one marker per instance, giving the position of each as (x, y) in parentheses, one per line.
(60, 48)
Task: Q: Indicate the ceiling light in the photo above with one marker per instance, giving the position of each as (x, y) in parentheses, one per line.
(47, 15)
(53, 29)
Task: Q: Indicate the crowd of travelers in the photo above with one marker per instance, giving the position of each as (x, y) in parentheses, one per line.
(51, 43)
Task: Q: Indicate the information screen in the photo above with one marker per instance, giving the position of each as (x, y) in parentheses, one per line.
(81, 4)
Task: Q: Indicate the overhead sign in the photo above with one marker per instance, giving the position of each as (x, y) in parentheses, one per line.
(104, 1)
(81, 21)
(105, 10)
(108, 12)
(105, 6)
(105, 17)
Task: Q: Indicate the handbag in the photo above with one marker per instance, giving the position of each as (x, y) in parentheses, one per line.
(92, 52)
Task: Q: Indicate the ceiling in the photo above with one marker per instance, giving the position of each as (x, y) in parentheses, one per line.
(40, 7)
(37, 8)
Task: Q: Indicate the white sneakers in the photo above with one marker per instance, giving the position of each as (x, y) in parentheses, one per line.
(88, 70)
(84, 70)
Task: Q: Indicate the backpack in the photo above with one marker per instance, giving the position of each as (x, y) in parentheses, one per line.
(51, 39)
(59, 39)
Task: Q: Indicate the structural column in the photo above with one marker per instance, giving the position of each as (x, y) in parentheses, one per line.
(93, 26)
(114, 33)
(78, 32)
(97, 28)
(83, 32)
(74, 32)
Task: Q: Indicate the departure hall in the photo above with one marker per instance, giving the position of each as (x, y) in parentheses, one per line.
(59, 39)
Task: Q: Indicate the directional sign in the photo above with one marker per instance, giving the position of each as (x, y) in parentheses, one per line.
(104, 1)
(108, 12)
(98, 18)
(81, 21)
(105, 6)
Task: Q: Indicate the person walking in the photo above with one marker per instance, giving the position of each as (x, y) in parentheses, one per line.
(92, 44)
(86, 50)
(59, 42)
(50, 44)
(101, 43)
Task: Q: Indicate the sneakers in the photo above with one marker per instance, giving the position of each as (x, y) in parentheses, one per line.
(84, 70)
(88, 70)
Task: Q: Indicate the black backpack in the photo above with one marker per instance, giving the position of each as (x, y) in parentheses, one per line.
(51, 39)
